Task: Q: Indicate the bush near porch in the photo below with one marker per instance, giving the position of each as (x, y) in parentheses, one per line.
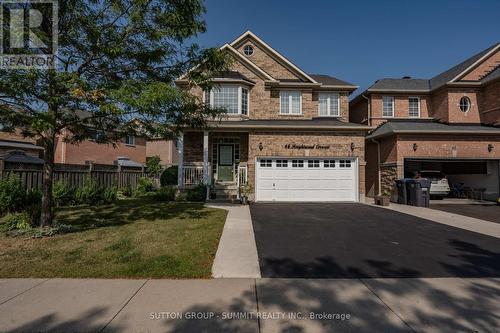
(131, 238)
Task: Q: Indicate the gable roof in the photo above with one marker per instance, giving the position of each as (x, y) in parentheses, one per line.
(448, 76)
(462, 68)
(279, 56)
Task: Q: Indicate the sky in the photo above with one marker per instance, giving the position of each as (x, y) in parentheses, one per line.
(361, 41)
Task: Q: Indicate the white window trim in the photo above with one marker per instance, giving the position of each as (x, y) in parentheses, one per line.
(392, 98)
(240, 94)
(328, 101)
(418, 98)
(133, 140)
(290, 103)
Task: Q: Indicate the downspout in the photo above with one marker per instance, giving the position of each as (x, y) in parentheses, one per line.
(378, 166)
(368, 107)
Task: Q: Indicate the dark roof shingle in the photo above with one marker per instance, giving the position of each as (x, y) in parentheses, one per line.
(330, 80)
(428, 126)
(444, 77)
(401, 84)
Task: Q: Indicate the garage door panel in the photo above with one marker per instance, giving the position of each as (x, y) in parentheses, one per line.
(306, 183)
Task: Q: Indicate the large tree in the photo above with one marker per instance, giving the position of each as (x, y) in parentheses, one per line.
(117, 61)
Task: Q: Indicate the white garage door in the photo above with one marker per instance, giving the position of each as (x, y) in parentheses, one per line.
(311, 179)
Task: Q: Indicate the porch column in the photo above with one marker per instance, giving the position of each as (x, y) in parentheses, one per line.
(180, 165)
(206, 169)
(206, 175)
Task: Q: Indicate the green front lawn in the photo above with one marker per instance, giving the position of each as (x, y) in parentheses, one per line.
(134, 238)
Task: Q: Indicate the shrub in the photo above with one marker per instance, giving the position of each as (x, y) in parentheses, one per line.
(199, 193)
(64, 194)
(12, 194)
(127, 191)
(181, 197)
(90, 193)
(144, 185)
(16, 221)
(169, 176)
(110, 194)
(166, 193)
(153, 166)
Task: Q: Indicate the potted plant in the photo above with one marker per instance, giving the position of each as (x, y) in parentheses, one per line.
(384, 199)
(244, 191)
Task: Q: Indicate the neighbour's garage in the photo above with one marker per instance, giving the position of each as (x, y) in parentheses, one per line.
(306, 179)
(466, 177)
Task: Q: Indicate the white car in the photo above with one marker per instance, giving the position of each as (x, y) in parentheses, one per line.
(439, 183)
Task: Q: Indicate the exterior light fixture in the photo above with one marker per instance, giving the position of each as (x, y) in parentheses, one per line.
(261, 146)
(415, 146)
(352, 146)
(490, 147)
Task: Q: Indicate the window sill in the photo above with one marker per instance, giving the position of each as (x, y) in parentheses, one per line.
(291, 115)
(132, 146)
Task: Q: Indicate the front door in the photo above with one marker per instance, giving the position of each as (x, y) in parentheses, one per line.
(226, 163)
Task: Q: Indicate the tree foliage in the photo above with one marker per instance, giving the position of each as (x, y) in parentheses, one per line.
(117, 61)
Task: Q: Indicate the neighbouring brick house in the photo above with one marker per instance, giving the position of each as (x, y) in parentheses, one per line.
(286, 133)
(133, 148)
(165, 149)
(136, 149)
(10, 142)
(447, 123)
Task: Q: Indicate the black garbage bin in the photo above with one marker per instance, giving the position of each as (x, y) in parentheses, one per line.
(419, 192)
(401, 190)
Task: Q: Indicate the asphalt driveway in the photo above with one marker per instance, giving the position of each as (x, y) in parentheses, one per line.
(483, 212)
(305, 240)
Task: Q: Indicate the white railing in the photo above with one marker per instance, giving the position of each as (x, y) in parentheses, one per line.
(193, 174)
(242, 177)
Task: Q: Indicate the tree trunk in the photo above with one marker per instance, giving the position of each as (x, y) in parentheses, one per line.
(48, 176)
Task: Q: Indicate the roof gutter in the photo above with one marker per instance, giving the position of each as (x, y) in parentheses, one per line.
(369, 109)
(301, 127)
(466, 132)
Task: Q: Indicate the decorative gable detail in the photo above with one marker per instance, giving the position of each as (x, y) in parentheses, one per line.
(269, 59)
(480, 68)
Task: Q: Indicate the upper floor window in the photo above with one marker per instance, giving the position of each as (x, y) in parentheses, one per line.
(414, 107)
(388, 106)
(290, 102)
(130, 140)
(231, 97)
(329, 104)
(465, 104)
(248, 50)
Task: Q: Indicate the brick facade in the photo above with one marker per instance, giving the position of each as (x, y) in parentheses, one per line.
(395, 149)
(273, 144)
(166, 150)
(490, 103)
(88, 150)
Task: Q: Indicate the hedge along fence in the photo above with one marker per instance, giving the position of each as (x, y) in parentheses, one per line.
(31, 175)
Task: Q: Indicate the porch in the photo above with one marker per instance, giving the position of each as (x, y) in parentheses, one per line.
(217, 159)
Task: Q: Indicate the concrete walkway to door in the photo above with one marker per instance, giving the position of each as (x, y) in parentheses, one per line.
(236, 255)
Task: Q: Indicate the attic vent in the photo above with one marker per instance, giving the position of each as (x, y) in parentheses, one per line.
(406, 77)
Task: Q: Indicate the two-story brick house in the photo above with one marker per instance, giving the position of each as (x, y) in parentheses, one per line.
(446, 123)
(287, 133)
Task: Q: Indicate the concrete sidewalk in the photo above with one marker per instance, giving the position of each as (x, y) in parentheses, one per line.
(263, 305)
(454, 220)
(236, 255)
